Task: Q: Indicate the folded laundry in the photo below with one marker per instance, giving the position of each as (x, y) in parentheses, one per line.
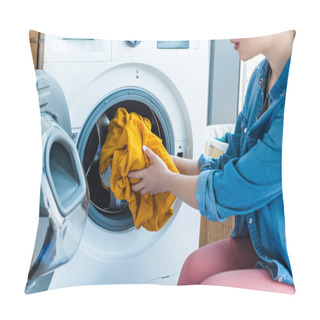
(127, 133)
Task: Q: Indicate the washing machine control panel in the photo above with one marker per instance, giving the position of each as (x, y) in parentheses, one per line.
(165, 51)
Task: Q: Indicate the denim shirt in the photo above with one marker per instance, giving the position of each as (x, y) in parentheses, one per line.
(246, 180)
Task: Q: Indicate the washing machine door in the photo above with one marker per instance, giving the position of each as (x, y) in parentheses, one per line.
(64, 196)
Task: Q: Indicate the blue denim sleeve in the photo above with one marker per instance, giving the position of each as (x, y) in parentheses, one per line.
(245, 184)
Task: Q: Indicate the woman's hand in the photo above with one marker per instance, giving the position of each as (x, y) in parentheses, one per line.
(158, 178)
(153, 178)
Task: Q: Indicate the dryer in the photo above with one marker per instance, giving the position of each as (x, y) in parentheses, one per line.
(166, 81)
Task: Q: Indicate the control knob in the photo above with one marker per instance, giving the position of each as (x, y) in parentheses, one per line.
(132, 43)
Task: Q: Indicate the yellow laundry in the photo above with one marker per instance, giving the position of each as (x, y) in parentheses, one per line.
(127, 133)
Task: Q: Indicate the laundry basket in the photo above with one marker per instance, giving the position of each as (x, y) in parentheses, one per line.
(213, 147)
(213, 231)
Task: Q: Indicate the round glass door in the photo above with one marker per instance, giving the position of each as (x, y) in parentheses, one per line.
(105, 210)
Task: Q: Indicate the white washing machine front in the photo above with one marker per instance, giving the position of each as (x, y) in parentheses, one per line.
(116, 237)
(169, 89)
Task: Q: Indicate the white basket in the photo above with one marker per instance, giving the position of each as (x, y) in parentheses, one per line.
(214, 147)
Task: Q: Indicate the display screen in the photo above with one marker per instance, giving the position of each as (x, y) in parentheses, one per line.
(173, 44)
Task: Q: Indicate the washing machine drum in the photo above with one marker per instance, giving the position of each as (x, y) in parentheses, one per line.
(105, 210)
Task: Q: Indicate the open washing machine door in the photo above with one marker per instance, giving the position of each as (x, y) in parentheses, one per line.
(64, 196)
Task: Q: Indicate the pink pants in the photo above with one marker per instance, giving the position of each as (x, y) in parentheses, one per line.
(230, 263)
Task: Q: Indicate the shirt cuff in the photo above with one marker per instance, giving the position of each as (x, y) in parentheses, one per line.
(204, 162)
(205, 196)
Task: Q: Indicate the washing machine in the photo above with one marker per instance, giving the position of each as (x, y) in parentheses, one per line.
(165, 81)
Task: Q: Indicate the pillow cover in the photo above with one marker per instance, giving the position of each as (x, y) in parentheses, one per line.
(87, 236)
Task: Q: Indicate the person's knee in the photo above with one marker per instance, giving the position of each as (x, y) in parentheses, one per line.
(189, 271)
(193, 270)
(208, 260)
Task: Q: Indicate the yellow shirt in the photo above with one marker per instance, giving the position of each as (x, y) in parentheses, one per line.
(127, 133)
